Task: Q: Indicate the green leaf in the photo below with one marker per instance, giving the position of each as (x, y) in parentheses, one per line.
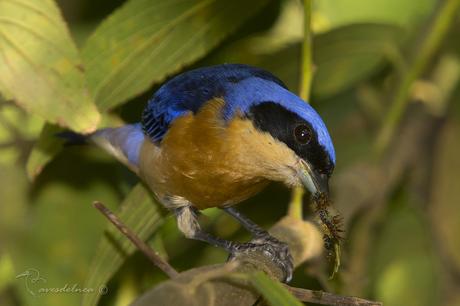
(145, 40)
(273, 292)
(17, 128)
(5, 96)
(329, 14)
(404, 266)
(40, 67)
(348, 54)
(49, 145)
(54, 229)
(342, 57)
(46, 148)
(143, 215)
(6, 271)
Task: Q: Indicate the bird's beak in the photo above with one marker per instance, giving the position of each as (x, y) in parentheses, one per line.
(315, 182)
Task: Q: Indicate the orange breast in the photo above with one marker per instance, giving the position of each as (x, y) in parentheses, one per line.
(202, 159)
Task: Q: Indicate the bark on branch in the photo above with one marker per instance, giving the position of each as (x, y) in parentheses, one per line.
(214, 285)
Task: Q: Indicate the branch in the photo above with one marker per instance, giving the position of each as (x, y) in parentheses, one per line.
(325, 298)
(214, 285)
(141, 245)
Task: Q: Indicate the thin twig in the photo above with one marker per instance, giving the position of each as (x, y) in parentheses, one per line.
(141, 245)
(326, 298)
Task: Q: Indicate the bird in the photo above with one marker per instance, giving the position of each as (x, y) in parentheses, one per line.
(216, 136)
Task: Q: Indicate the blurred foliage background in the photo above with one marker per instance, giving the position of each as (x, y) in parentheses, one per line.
(385, 81)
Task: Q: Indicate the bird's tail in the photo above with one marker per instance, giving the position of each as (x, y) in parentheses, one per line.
(123, 143)
(73, 138)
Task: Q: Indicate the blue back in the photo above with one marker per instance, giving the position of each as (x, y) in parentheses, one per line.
(189, 90)
(241, 86)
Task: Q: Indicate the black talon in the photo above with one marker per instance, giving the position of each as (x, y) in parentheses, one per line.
(271, 247)
(262, 241)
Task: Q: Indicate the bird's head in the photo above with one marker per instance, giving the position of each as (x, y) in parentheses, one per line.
(286, 139)
(292, 124)
(308, 141)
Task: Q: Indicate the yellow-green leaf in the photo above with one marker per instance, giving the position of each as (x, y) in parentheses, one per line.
(46, 148)
(6, 271)
(143, 215)
(145, 40)
(348, 54)
(272, 291)
(329, 14)
(40, 68)
(54, 230)
(49, 145)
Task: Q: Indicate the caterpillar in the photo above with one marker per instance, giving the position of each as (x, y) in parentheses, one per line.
(332, 229)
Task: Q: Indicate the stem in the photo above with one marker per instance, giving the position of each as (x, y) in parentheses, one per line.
(437, 32)
(141, 245)
(295, 209)
(306, 73)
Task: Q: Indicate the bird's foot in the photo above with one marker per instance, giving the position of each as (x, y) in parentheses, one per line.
(271, 247)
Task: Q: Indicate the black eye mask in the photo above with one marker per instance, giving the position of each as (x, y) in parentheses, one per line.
(284, 125)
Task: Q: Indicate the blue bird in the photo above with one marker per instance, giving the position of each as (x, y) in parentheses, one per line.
(215, 136)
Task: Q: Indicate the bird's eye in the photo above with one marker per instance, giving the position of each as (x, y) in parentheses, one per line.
(303, 134)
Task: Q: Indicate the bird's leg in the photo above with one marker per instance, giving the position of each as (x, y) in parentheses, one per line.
(277, 250)
(187, 222)
(255, 230)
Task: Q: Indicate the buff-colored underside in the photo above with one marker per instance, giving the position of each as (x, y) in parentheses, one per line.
(212, 163)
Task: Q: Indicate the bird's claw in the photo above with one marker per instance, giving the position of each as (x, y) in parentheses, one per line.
(271, 247)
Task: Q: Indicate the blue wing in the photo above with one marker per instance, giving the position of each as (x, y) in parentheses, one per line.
(189, 91)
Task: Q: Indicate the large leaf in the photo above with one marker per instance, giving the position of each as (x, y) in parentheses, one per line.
(329, 14)
(16, 128)
(342, 57)
(5, 96)
(49, 145)
(140, 213)
(46, 148)
(272, 291)
(348, 54)
(146, 40)
(40, 67)
(55, 229)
